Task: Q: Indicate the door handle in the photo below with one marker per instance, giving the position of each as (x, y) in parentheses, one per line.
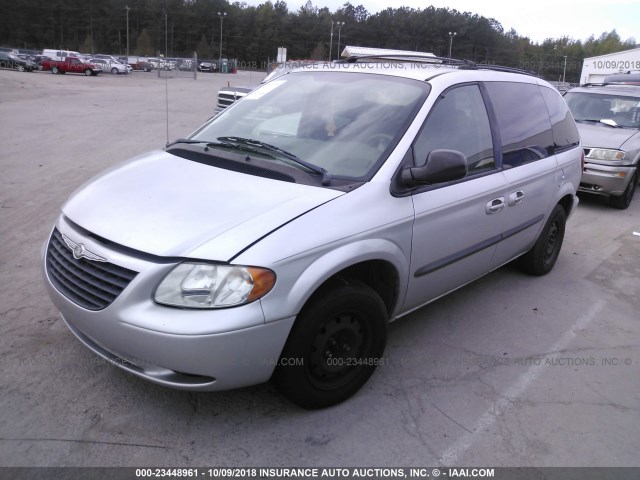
(516, 197)
(494, 206)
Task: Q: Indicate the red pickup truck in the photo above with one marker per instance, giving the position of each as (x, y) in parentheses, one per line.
(71, 65)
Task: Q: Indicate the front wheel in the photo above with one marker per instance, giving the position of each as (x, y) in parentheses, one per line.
(334, 346)
(114, 71)
(623, 201)
(88, 72)
(542, 257)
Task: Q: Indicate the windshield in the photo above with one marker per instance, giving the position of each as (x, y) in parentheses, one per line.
(595, 107)
(346, 123)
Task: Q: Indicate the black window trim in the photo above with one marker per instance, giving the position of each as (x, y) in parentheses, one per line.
(400, 190)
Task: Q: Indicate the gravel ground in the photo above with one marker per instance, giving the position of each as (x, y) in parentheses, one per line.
(508, 371)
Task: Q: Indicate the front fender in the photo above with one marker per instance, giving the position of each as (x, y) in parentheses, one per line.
(292, 292)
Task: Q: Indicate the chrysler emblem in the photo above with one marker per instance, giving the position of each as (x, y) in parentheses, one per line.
(79, 250)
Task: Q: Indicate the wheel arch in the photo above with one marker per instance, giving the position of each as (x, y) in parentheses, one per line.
(380, 275)
(569, 202)
(379, 263)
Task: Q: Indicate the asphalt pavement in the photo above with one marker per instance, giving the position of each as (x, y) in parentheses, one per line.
(510, 370)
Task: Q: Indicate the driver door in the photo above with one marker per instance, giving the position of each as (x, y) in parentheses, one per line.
(457, 224)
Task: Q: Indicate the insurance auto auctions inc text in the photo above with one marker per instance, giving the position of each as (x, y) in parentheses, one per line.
(370, 473)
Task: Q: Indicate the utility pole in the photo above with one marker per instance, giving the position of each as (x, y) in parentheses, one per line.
(451, 35)
(339, 25)
(221, 15)
(564, 71)
(127, 8)
(331, 42)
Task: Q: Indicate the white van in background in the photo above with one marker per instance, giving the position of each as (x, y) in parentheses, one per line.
(59, 54)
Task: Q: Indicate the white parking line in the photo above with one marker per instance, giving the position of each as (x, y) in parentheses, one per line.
(452, 455)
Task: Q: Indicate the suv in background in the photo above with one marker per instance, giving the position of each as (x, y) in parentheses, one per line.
(228, 95)
(608, 117)
(305, 218)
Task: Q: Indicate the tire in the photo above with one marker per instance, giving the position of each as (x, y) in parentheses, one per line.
(542, 257)
(21, 68)
(623, 201)
(334, 346)
(114, 71)
(55, 70)
(88, 72)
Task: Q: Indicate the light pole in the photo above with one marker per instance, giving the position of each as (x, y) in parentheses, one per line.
(331, 42)
(451, 35)
(221, 15)
(127, 8)
(339, 25)
(565, 68)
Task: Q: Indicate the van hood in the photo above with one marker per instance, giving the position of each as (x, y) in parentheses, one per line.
(165, 205)
(604, 136)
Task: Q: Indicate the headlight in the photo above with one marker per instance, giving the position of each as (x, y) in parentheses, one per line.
(203, 285)
(606, 154)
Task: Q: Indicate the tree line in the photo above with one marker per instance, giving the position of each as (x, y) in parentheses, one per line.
(252, 34)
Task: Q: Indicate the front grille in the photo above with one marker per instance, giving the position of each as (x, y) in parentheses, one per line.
(226, 99)
(92, 285)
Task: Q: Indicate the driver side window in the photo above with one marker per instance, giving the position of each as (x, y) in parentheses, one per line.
(458, 121)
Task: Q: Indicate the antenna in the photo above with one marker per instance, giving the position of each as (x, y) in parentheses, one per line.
(166, 96)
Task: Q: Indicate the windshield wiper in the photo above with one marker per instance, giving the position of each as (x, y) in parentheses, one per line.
(209, 143)
(185, 140)
(604, 121)
(326, 177)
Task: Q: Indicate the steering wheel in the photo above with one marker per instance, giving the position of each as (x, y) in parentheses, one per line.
(379, 141)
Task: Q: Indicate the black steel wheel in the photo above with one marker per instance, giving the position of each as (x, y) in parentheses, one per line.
(542, 257)
(334, 346)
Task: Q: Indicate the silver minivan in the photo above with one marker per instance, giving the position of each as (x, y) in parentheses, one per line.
(280, 239)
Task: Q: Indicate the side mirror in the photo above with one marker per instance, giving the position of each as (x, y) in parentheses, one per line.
(442, 166)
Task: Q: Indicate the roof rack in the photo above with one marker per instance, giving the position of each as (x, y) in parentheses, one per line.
(426, 58)
(622, 78)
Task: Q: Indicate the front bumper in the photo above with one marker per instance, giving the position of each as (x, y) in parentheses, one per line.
(604, 179)
(179, 348)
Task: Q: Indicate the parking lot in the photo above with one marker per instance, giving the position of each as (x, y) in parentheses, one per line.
(511, 370)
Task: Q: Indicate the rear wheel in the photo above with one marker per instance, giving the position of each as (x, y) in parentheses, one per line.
(542, 257)
(334, 346)
(55, 70)
(623, 201)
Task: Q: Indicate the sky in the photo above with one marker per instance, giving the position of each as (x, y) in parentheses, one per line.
(537, 19)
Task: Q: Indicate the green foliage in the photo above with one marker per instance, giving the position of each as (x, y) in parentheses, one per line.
(143, 46)
(253, 34)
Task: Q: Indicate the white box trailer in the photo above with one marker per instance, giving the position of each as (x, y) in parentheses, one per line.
(594, 69)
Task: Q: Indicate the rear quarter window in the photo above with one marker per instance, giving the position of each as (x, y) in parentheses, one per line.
(565, 132)
(523, 122)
